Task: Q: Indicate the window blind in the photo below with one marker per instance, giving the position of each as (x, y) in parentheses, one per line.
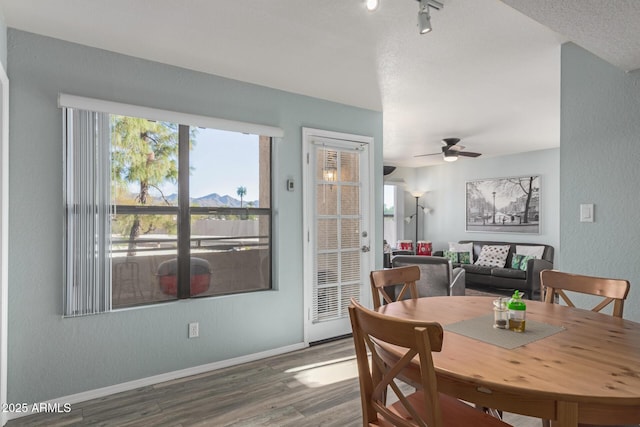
(87, 268)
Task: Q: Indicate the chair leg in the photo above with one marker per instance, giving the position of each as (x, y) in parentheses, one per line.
(495, 413)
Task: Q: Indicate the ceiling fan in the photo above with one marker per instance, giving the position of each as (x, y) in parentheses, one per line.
(451, 150)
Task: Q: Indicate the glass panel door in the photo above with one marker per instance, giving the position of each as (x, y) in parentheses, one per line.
(338, 234)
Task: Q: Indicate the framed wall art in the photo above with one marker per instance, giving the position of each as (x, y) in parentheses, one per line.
(504, 205)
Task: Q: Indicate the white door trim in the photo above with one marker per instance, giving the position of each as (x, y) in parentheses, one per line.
(4, 235)
(307, 135)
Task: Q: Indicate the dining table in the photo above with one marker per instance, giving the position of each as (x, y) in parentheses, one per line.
(569, 366)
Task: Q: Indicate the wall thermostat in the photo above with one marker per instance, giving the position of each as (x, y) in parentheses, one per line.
(290, 184)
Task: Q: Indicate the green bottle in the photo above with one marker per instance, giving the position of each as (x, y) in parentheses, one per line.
(517, 312)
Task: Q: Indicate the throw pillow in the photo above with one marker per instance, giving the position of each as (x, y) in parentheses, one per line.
(458, 257)
(519, 261)
(452, 256)
(462, 247)
(493, 255)
(534, 251)
(464, 257)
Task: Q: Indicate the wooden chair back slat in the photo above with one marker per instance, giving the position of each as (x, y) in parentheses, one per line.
(555, 283)
(405, 276)
(614, 291)
(394, 345)
(415, 338)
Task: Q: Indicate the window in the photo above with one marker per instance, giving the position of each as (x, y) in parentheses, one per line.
(390, 217)
(158, 210)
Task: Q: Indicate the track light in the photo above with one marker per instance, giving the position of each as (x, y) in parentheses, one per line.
(424, 17)
(372, 5)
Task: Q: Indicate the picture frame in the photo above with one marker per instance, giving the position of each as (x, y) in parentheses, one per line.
(504, 205)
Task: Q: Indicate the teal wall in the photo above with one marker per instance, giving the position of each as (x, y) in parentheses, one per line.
(446, 197)
(52, 357)
(600, 164)
(3, 40)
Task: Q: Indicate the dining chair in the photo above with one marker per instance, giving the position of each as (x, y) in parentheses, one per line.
(382, 279)
(614, 291)
(554, 284)
(425, 407)
(437, 275)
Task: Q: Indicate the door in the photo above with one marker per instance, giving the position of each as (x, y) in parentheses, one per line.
(337, 230)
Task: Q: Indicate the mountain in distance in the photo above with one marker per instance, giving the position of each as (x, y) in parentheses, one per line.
(215, 200)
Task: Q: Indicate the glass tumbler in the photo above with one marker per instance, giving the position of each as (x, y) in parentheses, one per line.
(500, 313)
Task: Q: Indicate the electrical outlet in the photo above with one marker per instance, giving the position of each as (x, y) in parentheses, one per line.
(194, 330)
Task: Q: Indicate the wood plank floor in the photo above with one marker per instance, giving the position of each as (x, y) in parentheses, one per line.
(316, 386)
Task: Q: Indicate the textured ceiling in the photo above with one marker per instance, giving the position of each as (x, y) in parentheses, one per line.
(609, 29)
(486, 73)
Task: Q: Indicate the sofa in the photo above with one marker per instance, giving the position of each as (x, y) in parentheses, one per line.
(525, 279)
(437, 275)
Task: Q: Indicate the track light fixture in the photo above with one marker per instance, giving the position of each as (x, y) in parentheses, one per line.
(372, 4)
(424, 17)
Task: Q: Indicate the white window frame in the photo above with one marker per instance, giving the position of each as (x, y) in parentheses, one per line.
(109, 107)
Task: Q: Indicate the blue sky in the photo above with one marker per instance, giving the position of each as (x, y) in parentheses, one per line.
(222, 161)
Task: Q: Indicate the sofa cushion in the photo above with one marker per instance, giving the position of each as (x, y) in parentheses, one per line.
(510, 273)
(476, 269)
(493, 255)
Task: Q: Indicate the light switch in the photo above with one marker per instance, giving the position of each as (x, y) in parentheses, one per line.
(586, 212)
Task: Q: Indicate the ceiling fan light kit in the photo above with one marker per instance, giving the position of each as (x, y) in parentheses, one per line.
(449, 156)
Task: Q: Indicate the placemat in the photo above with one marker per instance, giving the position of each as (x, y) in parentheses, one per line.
(481, 328)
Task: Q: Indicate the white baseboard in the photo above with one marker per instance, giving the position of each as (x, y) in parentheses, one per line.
(156, 379)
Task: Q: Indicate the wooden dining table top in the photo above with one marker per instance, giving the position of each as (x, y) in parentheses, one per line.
(593, 365)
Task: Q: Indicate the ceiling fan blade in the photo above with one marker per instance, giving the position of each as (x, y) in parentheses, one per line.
(456, 147)
(451, 150)
(430, 154)
(386, 170)
(468, 154)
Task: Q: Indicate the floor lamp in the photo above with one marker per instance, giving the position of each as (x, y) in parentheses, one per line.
(417, 195)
